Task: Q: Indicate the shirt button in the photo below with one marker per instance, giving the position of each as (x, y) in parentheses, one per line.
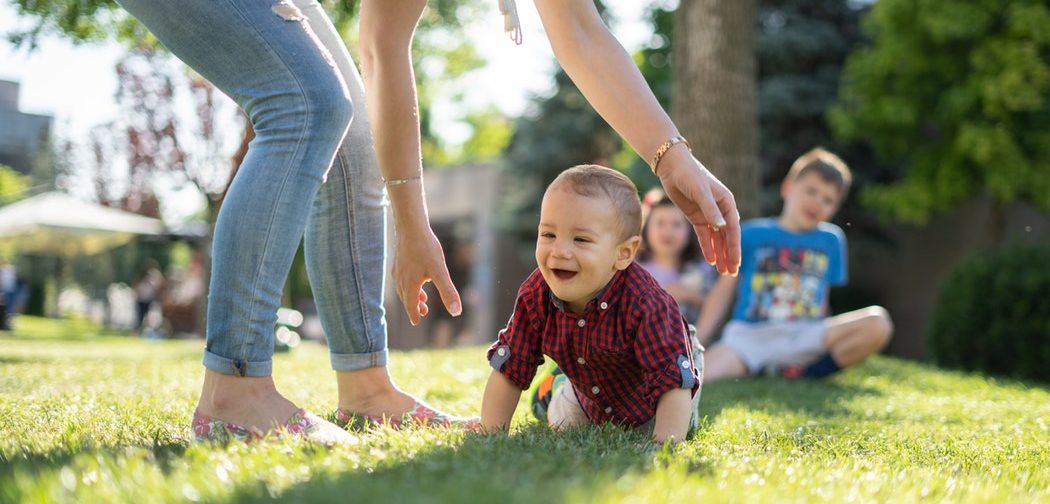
(502, 352)
(608, 409)
(581, 323)
(581, 360)
(604, 305)
(595, 390)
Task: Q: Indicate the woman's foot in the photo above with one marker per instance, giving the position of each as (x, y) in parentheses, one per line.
(369, 397)
(301, 424)
(249, 408)
(421, 415)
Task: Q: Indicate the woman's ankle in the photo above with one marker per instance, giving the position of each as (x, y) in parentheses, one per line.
(222, 393)
(371, 391)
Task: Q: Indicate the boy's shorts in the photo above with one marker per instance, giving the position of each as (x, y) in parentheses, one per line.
(762, 344)
(565, 409)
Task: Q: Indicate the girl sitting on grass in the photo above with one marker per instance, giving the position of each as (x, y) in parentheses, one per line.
(671, 255)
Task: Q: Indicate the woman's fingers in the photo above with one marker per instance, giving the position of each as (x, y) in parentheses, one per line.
(412, 303)
(447, 290)
(703, 233)
(731, 232)
(419, 309)
(704, 198)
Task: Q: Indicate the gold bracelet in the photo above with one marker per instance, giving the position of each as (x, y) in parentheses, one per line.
(666, 147)
(399, 181)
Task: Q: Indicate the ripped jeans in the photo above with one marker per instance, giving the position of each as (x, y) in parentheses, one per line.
(310, 170)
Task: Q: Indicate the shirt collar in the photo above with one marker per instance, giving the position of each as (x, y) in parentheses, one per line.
(604, 300)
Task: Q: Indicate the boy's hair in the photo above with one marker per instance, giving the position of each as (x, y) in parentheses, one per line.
(598, 181)
(828, 166)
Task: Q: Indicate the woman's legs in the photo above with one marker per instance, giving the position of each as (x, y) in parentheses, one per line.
(266, 57)
(346, 253)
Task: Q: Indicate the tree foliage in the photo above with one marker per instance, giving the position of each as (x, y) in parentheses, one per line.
(993, 314)
(13, 185)
(960, 93)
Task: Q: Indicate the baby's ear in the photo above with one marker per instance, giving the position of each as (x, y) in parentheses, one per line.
(626, 251)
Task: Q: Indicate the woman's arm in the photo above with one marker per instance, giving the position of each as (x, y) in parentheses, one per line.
(607, 76)
(387, 27)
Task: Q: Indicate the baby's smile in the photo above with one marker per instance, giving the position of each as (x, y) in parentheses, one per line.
(563, 274)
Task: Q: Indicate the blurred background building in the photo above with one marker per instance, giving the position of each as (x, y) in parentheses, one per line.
(22, 136)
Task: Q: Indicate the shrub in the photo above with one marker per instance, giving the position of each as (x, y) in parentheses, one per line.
(993, 314)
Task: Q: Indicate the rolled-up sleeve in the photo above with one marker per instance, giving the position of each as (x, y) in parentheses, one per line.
(518, 351)
(664, 351)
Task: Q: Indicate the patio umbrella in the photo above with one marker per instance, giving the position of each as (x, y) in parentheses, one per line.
(58, 224)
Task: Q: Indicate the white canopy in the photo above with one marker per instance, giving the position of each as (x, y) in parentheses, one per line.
(57, 223)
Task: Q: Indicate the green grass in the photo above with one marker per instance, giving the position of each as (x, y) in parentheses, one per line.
(101, 418)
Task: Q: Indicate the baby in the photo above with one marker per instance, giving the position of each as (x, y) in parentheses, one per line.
(616, 335)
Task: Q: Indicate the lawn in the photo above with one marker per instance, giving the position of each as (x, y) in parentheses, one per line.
(93, 417)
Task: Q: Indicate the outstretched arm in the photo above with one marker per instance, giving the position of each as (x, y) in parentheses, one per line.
(607, 76)
(387, 27)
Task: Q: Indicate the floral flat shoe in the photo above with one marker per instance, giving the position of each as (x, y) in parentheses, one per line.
(301, 424)
(421, 415)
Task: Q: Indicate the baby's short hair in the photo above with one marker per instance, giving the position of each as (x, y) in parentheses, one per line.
(828, 166)
(598, 181)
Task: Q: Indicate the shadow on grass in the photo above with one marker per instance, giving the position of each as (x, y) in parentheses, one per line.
(532, 465)
(818, 398)
(163, 454)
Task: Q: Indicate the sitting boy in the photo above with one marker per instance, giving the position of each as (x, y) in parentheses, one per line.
(618, 337)
(780, 323)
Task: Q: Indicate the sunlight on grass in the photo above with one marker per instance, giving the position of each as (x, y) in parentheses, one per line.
(104, 418)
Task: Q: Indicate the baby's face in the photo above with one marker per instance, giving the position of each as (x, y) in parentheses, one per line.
(578, 247)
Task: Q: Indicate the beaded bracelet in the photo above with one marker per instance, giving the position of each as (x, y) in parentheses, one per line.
(666, 147)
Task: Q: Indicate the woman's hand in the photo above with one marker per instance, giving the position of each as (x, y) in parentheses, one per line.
(610, 80)
(418, 259)
(708, 205)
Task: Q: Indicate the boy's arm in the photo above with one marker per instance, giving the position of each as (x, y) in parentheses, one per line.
(715, 307)
(499, 402)
(673, 412)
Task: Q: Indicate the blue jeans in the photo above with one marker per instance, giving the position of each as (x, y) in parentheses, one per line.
(310, 170)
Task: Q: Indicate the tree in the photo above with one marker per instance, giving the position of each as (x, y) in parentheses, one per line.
(802, 46)
(563, 130)
(13, 185)
(959, 94)
(714, 93)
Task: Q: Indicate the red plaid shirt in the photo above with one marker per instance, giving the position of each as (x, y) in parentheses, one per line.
(629, 346)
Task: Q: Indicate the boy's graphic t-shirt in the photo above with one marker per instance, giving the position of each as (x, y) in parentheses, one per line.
(786, 276)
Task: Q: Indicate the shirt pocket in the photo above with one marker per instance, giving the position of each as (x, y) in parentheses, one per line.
(612, 355)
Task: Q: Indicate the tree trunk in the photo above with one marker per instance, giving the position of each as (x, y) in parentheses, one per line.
(715, 91)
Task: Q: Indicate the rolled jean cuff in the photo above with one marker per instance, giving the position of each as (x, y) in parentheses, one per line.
(359, 361)
(226, 366)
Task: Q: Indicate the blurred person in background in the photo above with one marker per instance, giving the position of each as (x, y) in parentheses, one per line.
(8, 293)
(147, 287)
(670, 254)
